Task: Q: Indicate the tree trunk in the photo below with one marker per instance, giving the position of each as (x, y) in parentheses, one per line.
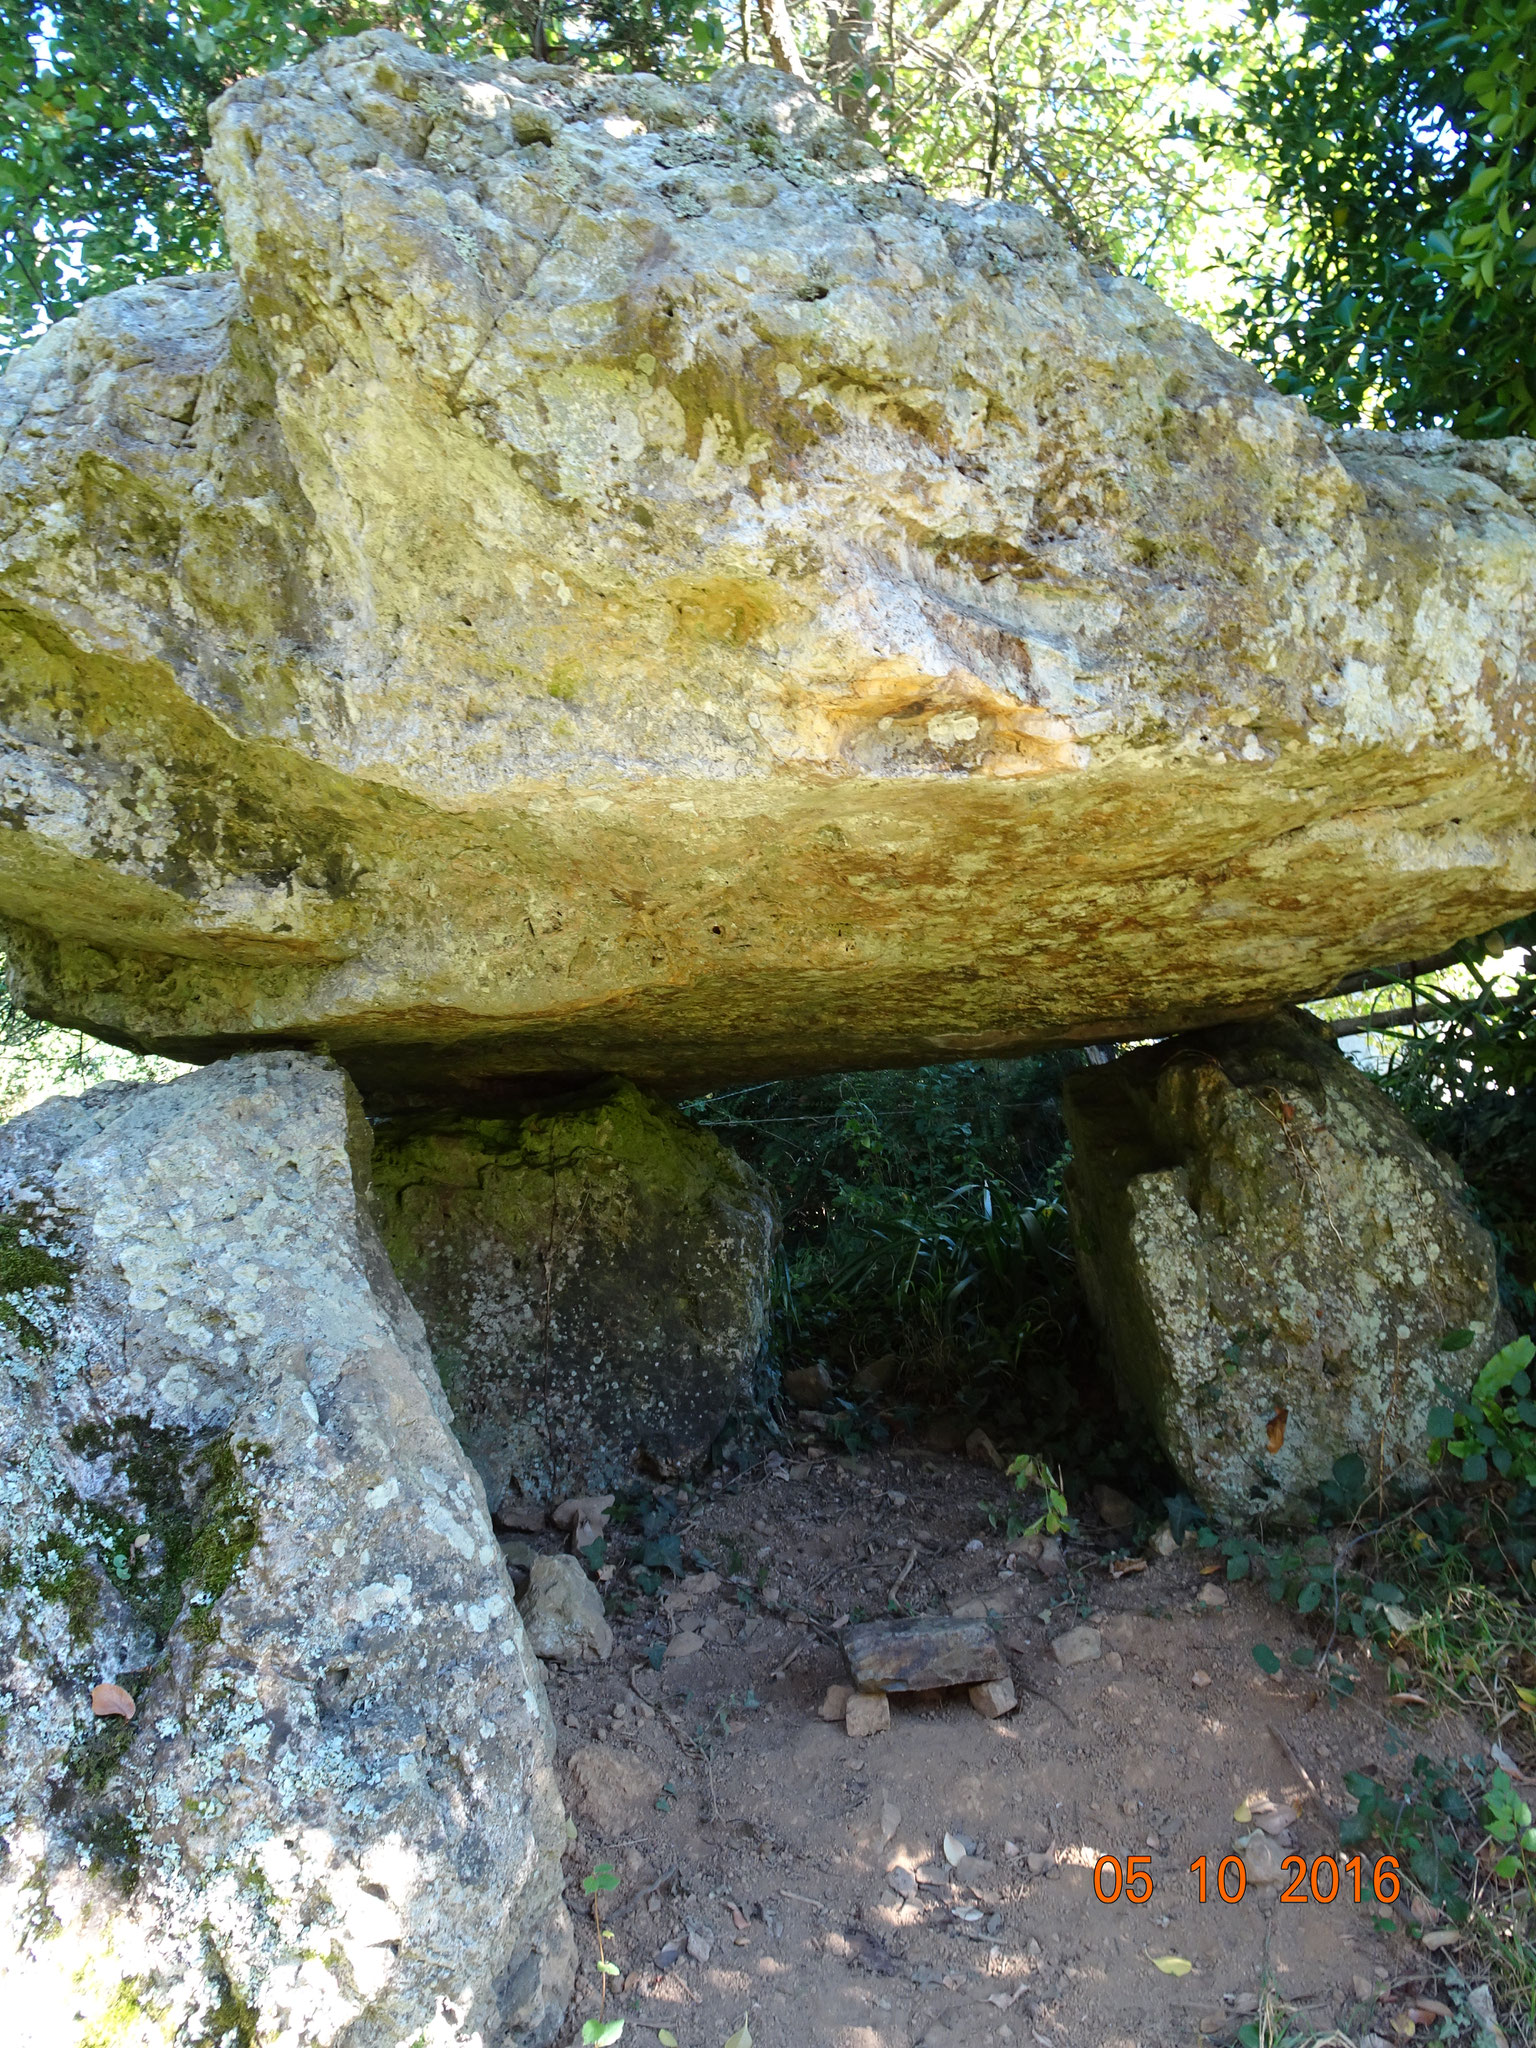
(853, 51)
(779, 32)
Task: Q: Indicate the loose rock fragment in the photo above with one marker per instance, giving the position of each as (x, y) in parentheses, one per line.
(1114, 1510)
(996, 1697)
(1078, 1646)
(922, 1655)
(583, 1519)
(563, 1613)
(867, 1713)
(834, 1704)
(808, 1386)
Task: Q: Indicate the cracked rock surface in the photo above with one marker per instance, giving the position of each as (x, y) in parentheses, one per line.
(619, 581)
(1276, 1258)
(228, 1488)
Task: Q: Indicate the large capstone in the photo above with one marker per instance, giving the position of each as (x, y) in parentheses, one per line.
(594, 1279)
(1283, 1270)
(618, 580)
(229, 1494)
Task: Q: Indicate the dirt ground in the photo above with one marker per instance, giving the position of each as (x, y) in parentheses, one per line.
(754, 1843)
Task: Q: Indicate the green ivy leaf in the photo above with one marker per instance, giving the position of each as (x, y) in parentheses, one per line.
(1502, 1367)
(1237, 1566)
(1265, 1658)
(1309, 1599)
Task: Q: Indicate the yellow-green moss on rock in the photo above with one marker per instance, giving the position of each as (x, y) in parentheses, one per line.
(594, 1281)
(618, 580)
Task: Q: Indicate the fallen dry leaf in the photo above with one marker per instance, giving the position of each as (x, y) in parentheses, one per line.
(742, 2038)
(111, 1699)
(1274, 1434)
(1440, 1937)
(739, 1917)
(1171, 1966)
(1122, 1567)
(666, 2038)
(954, 1850)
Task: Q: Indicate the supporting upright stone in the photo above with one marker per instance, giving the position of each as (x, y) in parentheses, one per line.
(277, 1760)
(594, 1280)
(1275, 1259)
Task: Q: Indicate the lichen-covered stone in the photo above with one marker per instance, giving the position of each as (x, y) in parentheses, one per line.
(1275, 1258)
(620, 581)
(563, 1615)
(594, 1279)
(228, 1487)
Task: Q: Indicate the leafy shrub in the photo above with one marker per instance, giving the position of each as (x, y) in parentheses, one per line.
(925, 1237)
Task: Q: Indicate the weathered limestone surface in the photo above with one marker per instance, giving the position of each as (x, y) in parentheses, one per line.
(227, 1485)
(1275, 1257)
(594, 1280)
(617, 581)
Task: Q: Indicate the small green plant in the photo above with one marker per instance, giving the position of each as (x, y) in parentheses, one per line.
(602, 2031)
(1027, 1471)
(1507, 1818)
(1423, 1825)
(1495, 1424)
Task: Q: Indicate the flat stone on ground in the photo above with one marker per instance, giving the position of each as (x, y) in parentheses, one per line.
(922, 1655)
(1078, 1646)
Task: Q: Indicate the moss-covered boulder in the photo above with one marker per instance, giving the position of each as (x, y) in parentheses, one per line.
(593, 1278)
(230, 1502)
(1275, 1258)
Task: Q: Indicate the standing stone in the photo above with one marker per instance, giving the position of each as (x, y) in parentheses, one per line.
(1275, 1258)
(228, 1489)
(594, 1281)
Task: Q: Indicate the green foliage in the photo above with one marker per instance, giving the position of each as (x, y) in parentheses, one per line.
(1396, 142)
(1429, 1826)
(1069, 107)
(38, 1059)
(1027, 1471)
(105, 106)
(1466, 1078)
(921, 1213)
(1495, 1425)
(1507, 1818)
